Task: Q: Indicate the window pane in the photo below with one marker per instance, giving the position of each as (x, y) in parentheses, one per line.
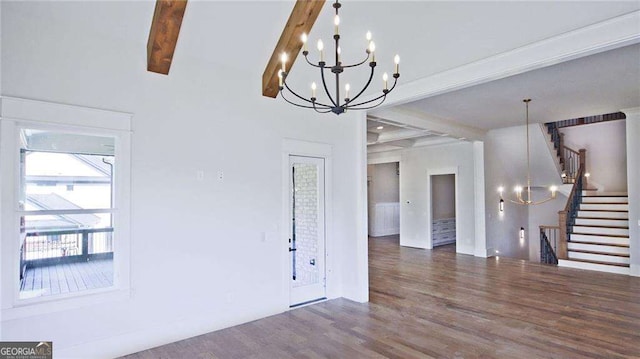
(62, 252)
(56, 258)
(62, 171)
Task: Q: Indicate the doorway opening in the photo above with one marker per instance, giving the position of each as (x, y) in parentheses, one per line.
(443, 210)
(383, 197)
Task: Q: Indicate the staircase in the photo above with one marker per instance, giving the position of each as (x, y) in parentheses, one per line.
(599, 237)
(593, 228)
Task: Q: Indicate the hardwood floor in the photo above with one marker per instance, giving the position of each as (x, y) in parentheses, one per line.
(436, 304)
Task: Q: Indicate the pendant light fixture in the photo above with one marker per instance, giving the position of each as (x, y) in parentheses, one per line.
(336, 103)
(527, 199)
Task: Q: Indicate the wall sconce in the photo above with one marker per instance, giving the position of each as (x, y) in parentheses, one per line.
(501, 205)
(521, 233)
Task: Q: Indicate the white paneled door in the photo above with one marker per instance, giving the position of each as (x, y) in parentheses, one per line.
(307, 229)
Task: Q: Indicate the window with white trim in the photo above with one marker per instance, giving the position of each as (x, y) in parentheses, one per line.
(66, 212)
(65, 207)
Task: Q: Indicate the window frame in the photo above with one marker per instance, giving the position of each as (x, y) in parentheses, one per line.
(18, 114)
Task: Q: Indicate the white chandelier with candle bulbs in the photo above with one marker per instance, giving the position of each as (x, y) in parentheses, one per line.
(336, 103)
(526, 199)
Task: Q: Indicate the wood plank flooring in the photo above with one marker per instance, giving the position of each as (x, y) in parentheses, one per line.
(68, 277)
(436, 304)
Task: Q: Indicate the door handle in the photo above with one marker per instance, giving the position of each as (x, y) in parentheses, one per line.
(292, 249)
(312, 262)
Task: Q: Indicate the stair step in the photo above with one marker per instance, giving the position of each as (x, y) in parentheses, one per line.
(605, 199)
(603, 214)
(598, 248)
(600, 253)
(595, 239)
(602, 258)
(616, 231)
(595, 265)
(604, 206)
(589, 221)
(594, 192)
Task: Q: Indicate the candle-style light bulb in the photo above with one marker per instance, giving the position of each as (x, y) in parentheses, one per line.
(372, 50)
(368, 35)
(339, 51)
(313, 89)
(304, 39)
(280, 78)
(347, 87)
(553, 190)
(385, 77)
(336, 22)
(396, 60)
(320, 48)
(283, 58)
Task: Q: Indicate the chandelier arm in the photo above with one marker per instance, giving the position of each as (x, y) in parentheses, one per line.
(363, 89)
(318, 111)
(302, 98)
(384, 94)
(359, 63)
(326, 90)
(293, 103)
(369, 107)
(529, 202)
(311, 63)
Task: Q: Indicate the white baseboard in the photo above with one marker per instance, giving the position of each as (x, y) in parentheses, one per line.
(384, 232)
(161, 334)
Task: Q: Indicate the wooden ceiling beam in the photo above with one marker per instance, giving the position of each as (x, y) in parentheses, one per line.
(301, 20)
(163, 36)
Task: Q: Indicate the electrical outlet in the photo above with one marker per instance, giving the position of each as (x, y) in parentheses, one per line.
(220, 176)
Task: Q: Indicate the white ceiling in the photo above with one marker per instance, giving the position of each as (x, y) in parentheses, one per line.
(593, 85)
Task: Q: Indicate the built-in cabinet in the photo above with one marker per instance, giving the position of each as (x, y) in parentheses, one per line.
(443, 231)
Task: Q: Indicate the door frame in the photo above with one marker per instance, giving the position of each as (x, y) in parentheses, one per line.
(293, 147)
(437, 172)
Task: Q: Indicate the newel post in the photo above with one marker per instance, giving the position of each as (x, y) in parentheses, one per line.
(583, 164)
(562, 241)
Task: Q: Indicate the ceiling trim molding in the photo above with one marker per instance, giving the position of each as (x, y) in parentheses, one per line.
(431, 123)
(600, 37)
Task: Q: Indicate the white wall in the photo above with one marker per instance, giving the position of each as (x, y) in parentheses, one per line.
(606, 147)
(1, 176)
(199, 261)
(633, 182)
(383, 182)
(415, 196)
(503, 228)
(443, 191)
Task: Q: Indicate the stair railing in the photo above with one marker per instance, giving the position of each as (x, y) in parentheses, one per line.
(567, 217)
(549, 236)
(570, 159)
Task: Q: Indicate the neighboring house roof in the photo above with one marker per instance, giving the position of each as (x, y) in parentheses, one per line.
(52, 201)
(95, 162)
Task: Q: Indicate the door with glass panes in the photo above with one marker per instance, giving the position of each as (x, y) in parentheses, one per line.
(307, 229)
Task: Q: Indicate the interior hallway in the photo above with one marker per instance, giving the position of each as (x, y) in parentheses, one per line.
(438, 304)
